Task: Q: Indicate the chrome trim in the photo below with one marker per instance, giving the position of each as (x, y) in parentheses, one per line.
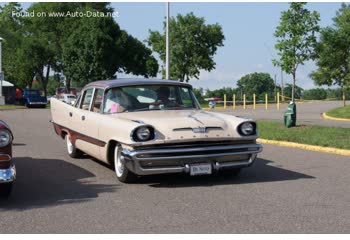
(8, 175)
(36, 103)
(133, 159)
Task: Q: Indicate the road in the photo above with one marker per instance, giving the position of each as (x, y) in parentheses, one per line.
(286, 191)
(309, 113)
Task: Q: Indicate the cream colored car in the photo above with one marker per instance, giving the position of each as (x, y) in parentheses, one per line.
(145, 127)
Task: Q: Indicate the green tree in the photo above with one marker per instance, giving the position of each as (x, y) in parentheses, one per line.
(296, 38)
(315, 94)
(193, 46)
(334, 53)
(256, 83)
(18, 67)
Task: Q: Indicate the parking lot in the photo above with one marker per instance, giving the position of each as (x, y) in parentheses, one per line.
(286, 191)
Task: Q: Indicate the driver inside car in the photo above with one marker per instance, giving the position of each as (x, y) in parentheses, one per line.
(116, 101)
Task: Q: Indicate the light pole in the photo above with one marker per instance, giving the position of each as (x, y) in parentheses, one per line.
(167, 60)
(2, 99)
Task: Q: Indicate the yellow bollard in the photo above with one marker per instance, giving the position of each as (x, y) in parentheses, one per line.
(278, 101)
(224, 101)
(266, 101)
(234, 101)
(243, 101)
(254, 98)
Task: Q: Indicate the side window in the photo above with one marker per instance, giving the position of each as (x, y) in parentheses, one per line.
(96, 105)
(86, 100)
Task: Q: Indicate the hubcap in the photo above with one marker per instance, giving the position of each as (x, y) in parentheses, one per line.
(70, 146)
(118, 161)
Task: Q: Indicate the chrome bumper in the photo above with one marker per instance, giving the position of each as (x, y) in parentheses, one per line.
(7, 175)
(158, 161)
(37, 103)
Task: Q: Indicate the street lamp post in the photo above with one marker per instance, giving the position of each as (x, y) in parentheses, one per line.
(167, 60)
(2, 99)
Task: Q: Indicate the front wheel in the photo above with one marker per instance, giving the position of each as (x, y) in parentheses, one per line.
(123, 174)
(5, 190)
(71, 149)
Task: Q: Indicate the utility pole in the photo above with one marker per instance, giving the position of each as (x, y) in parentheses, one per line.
(2, 99)
(167, 64)
(275, 86)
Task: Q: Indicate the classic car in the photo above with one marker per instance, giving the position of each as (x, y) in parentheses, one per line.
(32, 98)
(145, 127)
(7, 168)
(67, 98)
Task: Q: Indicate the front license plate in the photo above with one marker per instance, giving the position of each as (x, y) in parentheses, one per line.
(200, 169)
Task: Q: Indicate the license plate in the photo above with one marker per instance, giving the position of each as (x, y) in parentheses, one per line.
(200, 169)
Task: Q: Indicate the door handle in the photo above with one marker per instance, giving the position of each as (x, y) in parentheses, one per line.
(83, 118)
(70, 114)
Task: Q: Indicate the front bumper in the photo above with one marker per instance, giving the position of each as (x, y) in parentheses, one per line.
(159, 161)
(37, 103)
(7, 175)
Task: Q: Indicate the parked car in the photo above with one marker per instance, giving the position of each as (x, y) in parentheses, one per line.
(7, 168)
(67, 98)
(32, 98)
(144, 127)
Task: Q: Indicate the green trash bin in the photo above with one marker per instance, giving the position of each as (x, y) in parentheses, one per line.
(290, 116)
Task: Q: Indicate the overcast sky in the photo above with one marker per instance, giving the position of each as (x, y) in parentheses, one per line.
(248, 29)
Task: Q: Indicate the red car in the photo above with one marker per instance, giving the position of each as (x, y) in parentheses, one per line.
(7, 168)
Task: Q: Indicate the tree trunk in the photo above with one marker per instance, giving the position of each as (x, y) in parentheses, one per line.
(67, 85)
(343, 95)
(293, 87)
(46, 80)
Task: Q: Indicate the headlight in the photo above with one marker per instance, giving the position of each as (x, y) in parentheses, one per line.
(247, 128)
(5, 138)
(144, 133)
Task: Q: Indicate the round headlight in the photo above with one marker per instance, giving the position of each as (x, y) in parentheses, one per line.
(143, 133)
(5, 138)
(247, 128)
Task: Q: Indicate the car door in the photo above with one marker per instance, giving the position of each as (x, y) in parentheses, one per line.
(86, 125)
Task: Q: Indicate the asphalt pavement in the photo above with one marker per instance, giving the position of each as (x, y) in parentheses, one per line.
(287, 190)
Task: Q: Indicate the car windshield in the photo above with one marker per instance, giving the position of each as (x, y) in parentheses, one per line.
(32, 92)
(149, 98)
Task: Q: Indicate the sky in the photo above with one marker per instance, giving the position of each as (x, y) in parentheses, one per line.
(248, 29)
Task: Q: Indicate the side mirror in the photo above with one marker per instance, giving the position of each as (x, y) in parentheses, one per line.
(72, 102)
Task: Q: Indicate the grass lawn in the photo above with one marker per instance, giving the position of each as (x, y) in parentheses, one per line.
(307, 134)
(11, 107)
(342, 112)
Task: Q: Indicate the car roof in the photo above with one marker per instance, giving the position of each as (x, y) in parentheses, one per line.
(134, 82)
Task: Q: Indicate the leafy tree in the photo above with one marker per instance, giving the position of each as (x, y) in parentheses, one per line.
(193, 46)
(256, 83)
(315, 94)
(18, 67)
(85, 49)
(296, 38)
(288, 91)
(334, 52)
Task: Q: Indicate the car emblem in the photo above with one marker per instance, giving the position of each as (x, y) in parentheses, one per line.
(199, 130)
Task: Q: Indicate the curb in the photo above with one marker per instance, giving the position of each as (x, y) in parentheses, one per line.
(325, 116)
(306, 147)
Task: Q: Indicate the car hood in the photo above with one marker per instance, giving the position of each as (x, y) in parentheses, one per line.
(187, 124)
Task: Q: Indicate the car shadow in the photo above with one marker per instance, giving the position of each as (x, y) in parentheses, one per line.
(260, 171)
(46, 182)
